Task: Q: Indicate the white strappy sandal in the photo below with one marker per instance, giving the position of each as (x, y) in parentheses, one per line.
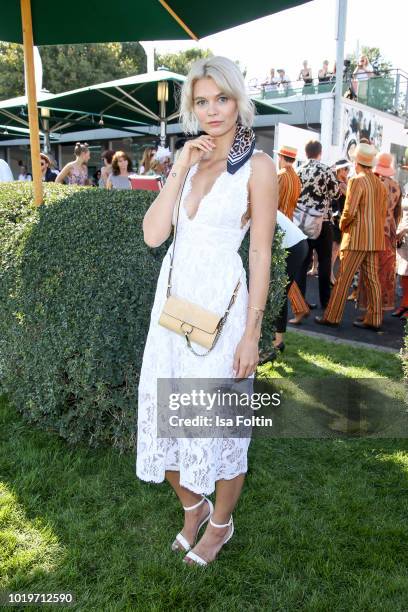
(199, 560)
(180, 538)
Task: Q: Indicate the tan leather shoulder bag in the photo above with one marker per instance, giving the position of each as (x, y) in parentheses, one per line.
(195, 323)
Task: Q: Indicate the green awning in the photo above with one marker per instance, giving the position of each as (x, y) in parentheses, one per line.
(264, 108)
(14, 114)
(130, 100)
(94, 21)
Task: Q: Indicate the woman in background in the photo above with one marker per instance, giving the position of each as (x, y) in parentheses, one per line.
(76, 172)
(106, 169)
(24, 175)
(402, 260)
(161, 163)
(341, 168)
(121, 169)
(145, 164)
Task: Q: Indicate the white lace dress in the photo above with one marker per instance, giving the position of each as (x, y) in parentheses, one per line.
(206, 269)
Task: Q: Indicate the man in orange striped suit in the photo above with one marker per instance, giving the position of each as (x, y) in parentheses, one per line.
(362, 223)
(289, 191)
(288, 181)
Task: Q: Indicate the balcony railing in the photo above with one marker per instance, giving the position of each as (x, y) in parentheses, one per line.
(387, 92)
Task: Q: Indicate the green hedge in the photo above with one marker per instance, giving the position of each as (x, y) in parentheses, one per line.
(77, 284)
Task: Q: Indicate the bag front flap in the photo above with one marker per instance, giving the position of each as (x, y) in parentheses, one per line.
(192, 314)
(309, 210)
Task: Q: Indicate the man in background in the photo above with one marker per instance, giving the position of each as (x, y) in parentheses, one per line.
(362, 223)
(289, 187)
(319, 188)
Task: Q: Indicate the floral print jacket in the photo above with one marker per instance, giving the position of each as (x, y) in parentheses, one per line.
(319, 187)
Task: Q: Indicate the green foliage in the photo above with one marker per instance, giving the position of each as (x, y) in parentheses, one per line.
(181, 62)
(331, 512)
(11, 70)
(70, 66)
(76, 288)
(77, 284)
(404, 355)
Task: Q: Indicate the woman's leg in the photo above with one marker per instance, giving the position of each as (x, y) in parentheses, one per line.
(192, 518)
(296, 255)
(315, 267)
(227, 495)
(335, 254)
(297, 301)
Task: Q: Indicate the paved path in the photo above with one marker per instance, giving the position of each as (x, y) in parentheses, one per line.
(390, 337)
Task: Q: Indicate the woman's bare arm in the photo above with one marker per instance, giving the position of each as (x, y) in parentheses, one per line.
(157, 220)
(263, 192)
(263, 189)
(64, 173)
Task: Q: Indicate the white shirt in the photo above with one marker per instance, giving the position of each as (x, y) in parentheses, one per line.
(293, 234)
(5, 173)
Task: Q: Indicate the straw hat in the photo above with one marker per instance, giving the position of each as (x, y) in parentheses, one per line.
(384, 165)
(287, 151)
(365, 154)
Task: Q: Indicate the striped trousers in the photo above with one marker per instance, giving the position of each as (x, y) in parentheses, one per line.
(350, 261)
(297, 301)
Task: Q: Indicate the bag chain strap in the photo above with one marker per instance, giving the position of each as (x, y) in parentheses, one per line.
(220, 326)
(232, 300)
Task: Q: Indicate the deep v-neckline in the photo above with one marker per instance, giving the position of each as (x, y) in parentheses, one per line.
(204, 196)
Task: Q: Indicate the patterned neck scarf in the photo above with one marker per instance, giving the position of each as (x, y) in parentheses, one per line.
(242, 148)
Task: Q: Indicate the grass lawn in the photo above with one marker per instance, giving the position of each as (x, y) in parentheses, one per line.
(321, 525)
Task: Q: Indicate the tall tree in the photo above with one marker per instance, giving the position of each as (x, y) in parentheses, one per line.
(11, 70)
(181, 62)
(70, 66)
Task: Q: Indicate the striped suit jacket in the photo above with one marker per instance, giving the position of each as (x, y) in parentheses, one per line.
(289, 186)
(363, 219)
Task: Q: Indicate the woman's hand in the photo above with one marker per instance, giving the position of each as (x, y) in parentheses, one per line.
(194, 150)
(246, 357)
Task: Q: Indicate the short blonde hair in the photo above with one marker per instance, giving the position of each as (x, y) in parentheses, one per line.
(229, 79)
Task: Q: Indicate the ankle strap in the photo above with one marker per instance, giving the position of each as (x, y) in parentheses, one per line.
(195, 505)
(226, 524)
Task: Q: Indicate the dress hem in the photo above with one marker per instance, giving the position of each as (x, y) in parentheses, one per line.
(188, 486)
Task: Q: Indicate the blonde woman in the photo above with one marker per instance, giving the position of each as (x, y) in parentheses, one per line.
(145, 164)
(229, 188)
(76, 172)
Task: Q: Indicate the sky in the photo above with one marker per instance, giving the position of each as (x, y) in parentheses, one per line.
(285, 39)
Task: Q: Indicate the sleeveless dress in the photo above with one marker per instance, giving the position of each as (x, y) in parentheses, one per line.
(78, 176)
(206, 269)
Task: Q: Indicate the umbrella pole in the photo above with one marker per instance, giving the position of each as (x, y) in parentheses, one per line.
(27, 27)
